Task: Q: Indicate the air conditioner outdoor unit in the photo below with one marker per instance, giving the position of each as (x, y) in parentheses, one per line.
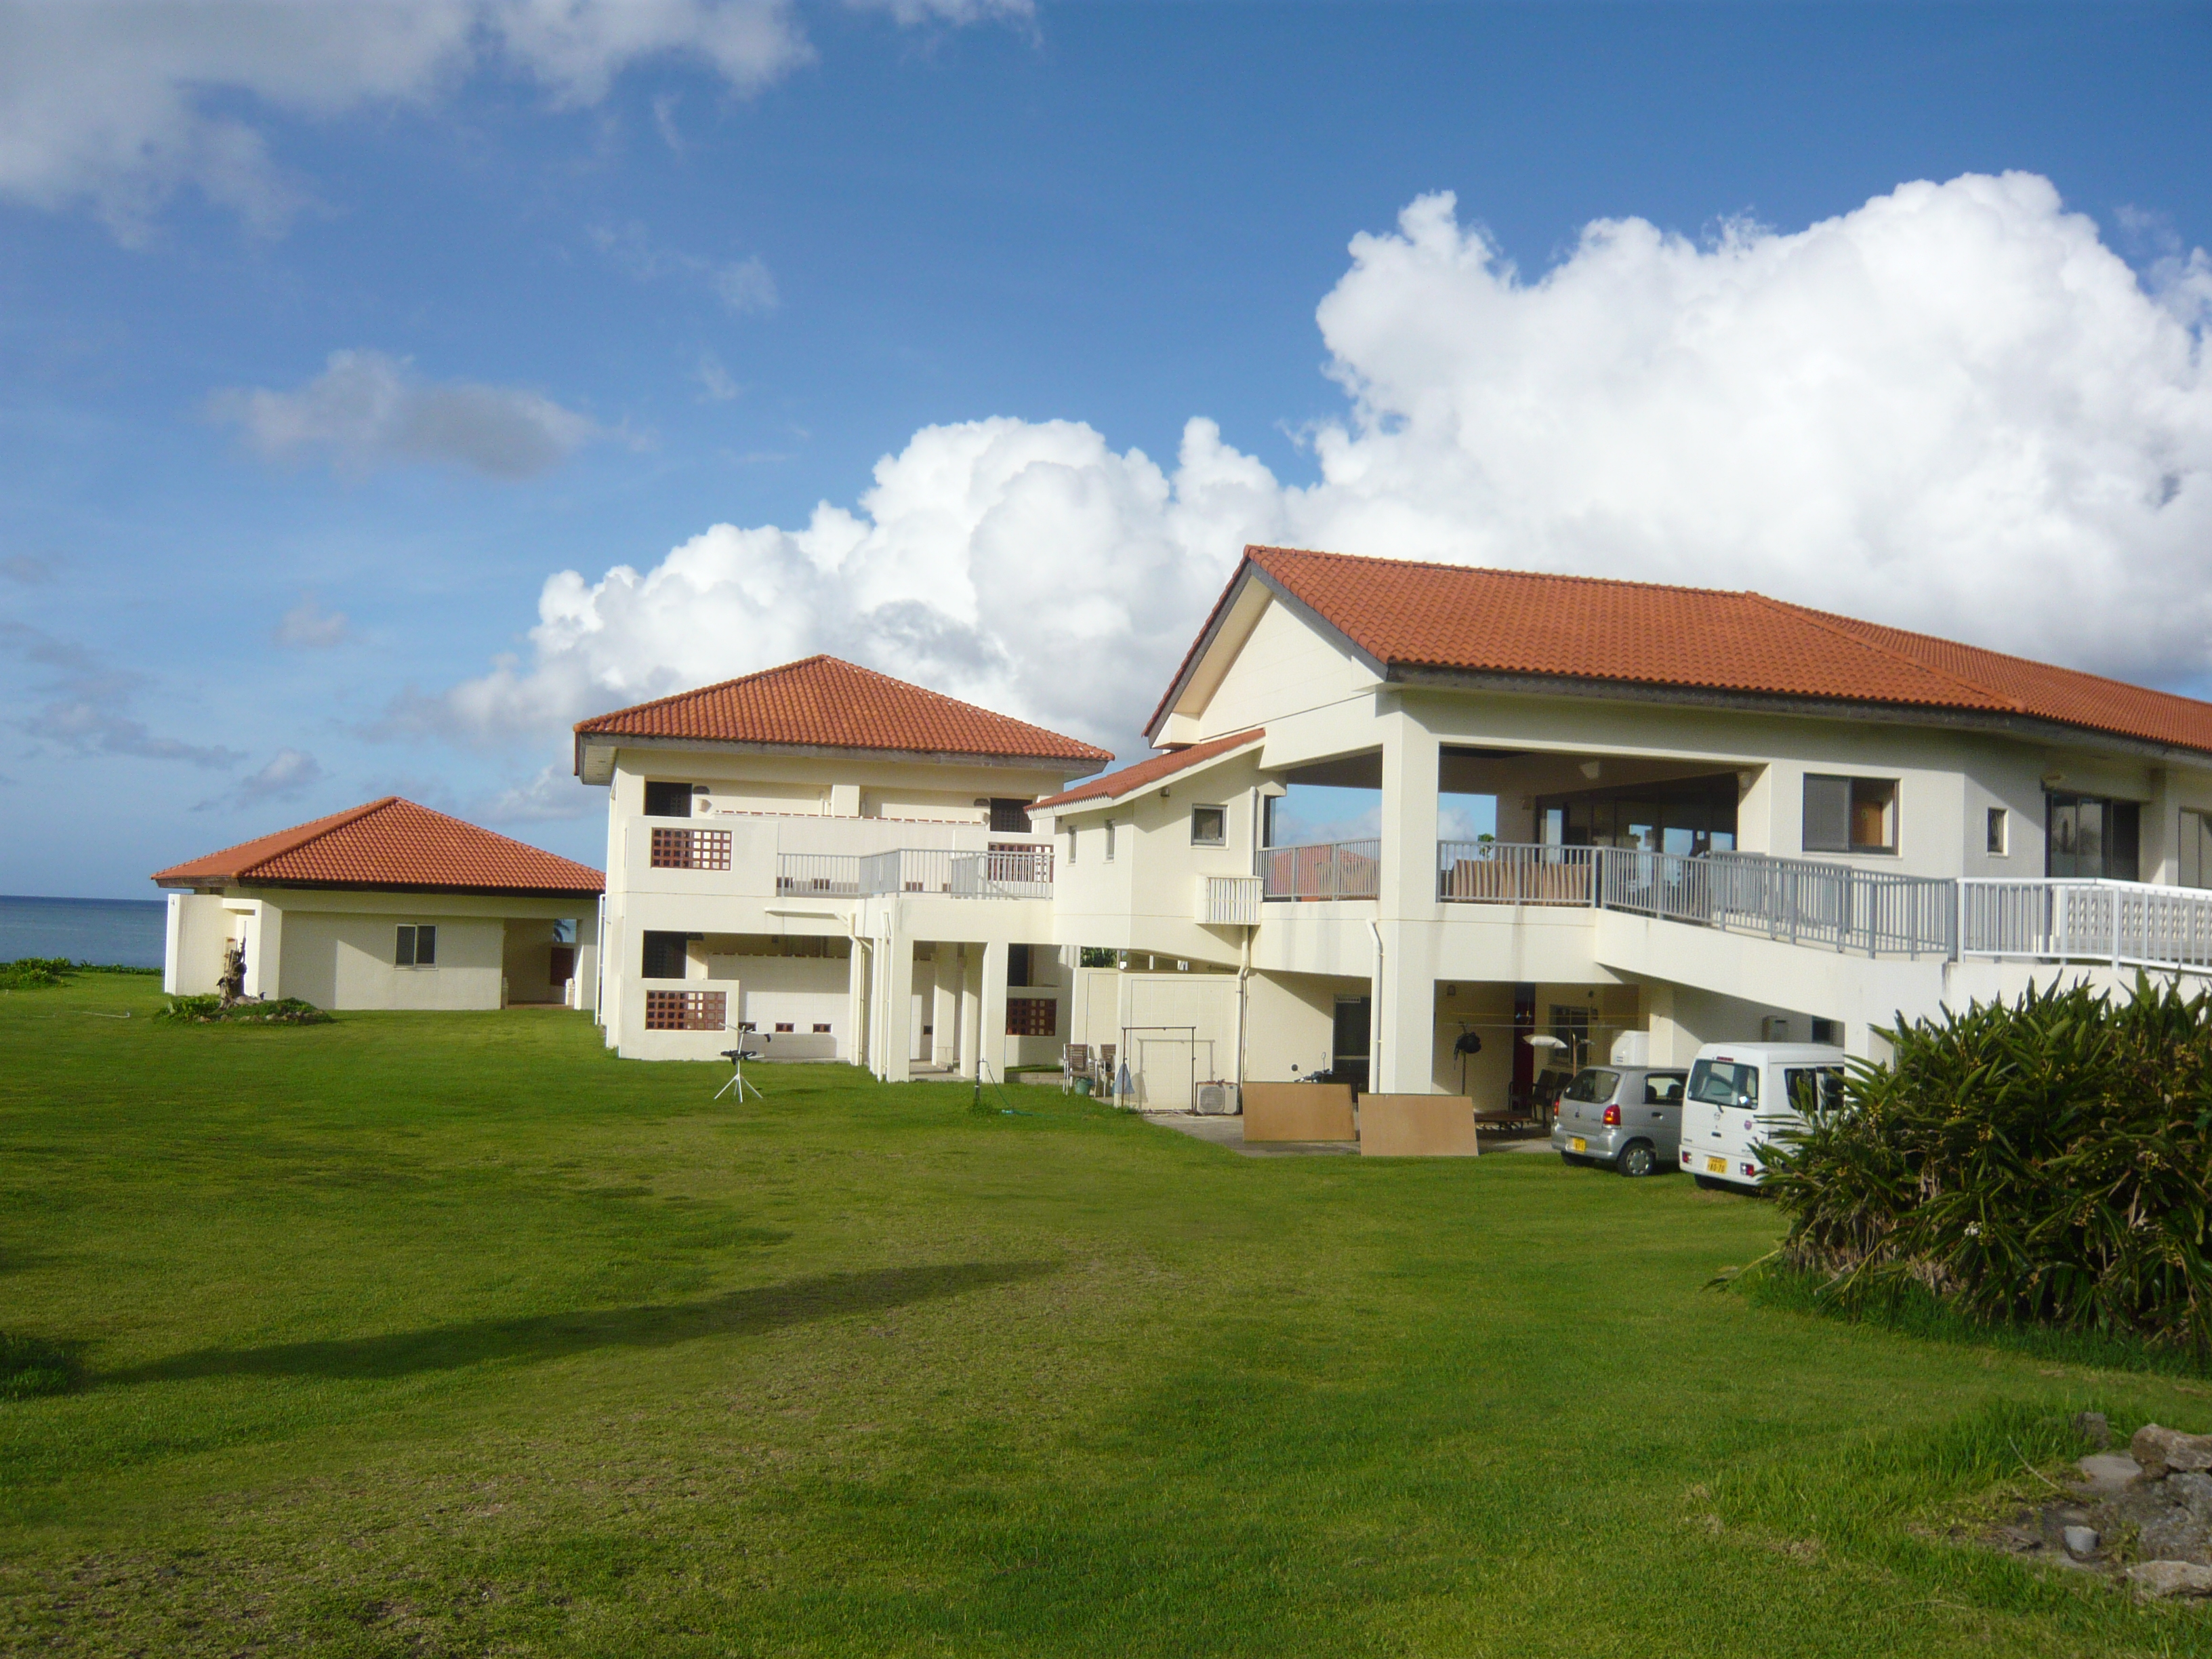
(1216, 1100)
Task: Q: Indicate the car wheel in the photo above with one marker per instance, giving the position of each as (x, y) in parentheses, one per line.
(1635, 1159)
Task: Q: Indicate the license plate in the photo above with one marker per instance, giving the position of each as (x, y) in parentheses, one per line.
(1717, 1166)
(1578, 1144)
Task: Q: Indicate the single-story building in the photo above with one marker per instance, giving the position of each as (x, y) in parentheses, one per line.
(388, 905)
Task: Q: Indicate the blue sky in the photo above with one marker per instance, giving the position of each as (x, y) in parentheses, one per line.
(599, 297)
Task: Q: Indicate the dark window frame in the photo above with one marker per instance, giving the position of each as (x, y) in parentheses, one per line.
(1857, 797)
(1220, 837)
(660, 791)
(2119, 855)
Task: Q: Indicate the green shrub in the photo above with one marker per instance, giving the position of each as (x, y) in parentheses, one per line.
(209, 1011)
(29, 1367)
(35, 973)
(2044, 1163)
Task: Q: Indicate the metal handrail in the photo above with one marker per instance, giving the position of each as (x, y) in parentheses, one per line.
(2125, 923)
(1801, 901)
(1320, 870)
(822, 875)
(1514, 872)
(1001, 873)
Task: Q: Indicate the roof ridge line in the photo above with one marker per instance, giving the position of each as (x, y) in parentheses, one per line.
(717, 685)
(1819, 620)
(1496, 570)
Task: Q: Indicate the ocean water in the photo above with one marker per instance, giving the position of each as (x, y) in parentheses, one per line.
(125, 932)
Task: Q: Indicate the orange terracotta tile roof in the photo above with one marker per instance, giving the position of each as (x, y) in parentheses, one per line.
(824, 702)
(1110, 786)
(1403, 614)
(391, 843)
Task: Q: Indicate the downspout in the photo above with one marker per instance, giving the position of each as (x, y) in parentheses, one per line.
(1243, 974)
(1375, 1014)
(862, 1038)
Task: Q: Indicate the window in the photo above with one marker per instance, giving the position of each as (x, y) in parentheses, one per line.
(2196, 849)
(1572, 1028)
(416, 947)
(1813, 1089)
(663, 956)
(1109, 841)
(1209, 826)
(1070, 844)
(2090, 836)
(820, 1028)
(1010, 817)
(1663, 1089)
(1724, 1083)
(686, 1011)
(1999, 826)
(1850, 815)
(1830, 1031)
(1017, 966)
(690, 850)
(785, 1025)
(1032, 1017)
(1688, 816)
(1592, 1084)
(667, 800)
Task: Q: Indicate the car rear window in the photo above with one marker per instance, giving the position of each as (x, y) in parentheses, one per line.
(1593, 1083)
(1724, 1083)
(1663, 1089)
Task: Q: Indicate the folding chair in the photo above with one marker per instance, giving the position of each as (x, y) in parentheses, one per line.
(1074, 1062)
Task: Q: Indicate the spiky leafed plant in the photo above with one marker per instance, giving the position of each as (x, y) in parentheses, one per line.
(2047, 1161)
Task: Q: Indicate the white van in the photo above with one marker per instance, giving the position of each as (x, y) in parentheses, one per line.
(1743, 1095)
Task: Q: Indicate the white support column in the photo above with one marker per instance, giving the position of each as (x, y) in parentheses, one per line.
(895, 1044)
(2159, 855)
(1407, 917)
(586, 971)
(854, 1049)
(991, 1024)
(264, 965)
(971, 1007)
(944, 1008)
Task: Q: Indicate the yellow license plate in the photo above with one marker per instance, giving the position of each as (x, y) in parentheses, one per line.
(1717, 1166)
(1578, 1143)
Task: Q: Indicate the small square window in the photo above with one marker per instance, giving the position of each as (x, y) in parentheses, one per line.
(1209, 826)
(821, 1030)
(416, 947)
(1999, 824)
(785, 1025)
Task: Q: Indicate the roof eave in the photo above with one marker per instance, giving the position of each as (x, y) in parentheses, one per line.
(2002, 721)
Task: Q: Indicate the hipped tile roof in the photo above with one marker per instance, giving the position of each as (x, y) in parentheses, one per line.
(1111, 785)
(824, 702)
(391, 843)
(1404, 615)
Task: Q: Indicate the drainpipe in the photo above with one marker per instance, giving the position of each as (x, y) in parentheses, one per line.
(1375, 1012)
(1244, 973)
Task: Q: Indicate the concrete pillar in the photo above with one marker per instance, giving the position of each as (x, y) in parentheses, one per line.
(265, 961)
(971, 1007)
(854, 1049)
(1403, 1031)
(991, 1023)
(588, 960)
(1667, 1043)
(2158, 858)
(944, 1008)
(894, 1034)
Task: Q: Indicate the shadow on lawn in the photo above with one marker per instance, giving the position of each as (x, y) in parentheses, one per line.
(551, 1336)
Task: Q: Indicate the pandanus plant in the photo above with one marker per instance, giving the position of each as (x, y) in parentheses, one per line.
(2046, 1162)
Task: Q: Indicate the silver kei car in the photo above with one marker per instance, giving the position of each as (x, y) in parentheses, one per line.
(1628, 1117)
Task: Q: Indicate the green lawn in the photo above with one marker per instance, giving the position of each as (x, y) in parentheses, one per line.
(448, 1334)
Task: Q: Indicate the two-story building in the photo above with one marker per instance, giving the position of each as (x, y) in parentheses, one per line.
(1705, 815)
(838, 860)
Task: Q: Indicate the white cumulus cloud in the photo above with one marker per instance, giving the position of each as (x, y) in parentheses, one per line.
(367, 409)
(308, 625)
(1953, 408)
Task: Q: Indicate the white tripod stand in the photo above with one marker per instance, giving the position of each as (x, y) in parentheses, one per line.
(737, 1085)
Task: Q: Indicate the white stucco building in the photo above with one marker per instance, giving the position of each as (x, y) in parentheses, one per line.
(387, 905)
(1711, 816)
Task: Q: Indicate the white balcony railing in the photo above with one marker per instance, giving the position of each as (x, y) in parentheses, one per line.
(1324, 870)
(2120, 922)
(1228, 901)
(1000, 872)
(1509, 872)
(820, 875)
(1798, 901)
